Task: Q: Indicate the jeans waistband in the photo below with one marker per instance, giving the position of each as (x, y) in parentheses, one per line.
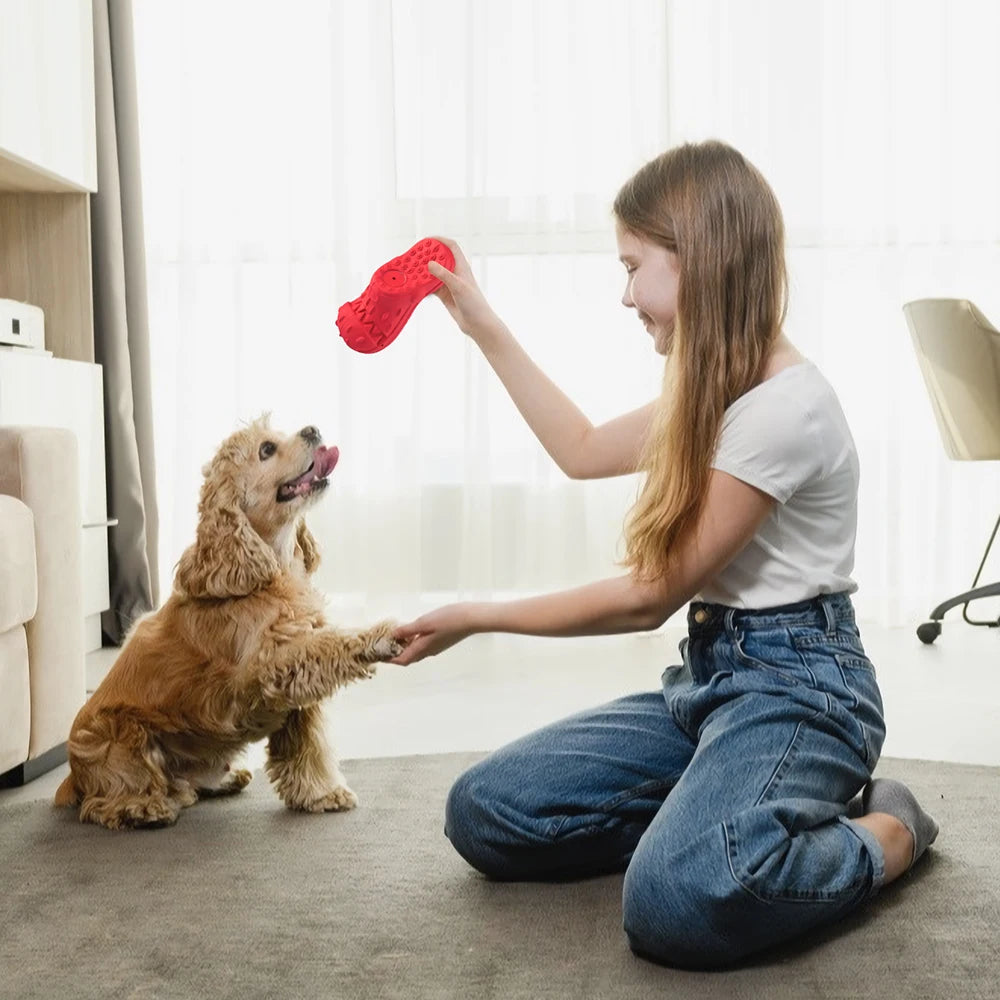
(826, 611)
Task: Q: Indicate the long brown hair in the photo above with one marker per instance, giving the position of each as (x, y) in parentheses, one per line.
(712, 208)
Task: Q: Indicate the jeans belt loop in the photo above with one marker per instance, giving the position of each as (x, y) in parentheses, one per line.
(831, 618)
(729, 622)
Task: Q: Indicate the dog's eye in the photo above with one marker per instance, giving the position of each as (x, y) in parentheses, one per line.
(267, 449)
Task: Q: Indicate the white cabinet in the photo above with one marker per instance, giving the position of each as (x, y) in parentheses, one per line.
(48, 167)
(47, 133)
(52, 392)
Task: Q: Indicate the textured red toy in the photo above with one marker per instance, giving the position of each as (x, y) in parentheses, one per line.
(373, 320)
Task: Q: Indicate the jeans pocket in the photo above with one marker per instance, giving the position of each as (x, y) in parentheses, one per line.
(813, 643)
(749, 653)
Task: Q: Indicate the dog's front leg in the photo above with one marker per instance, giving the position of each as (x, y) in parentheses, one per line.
(300, 673)
(302, 767)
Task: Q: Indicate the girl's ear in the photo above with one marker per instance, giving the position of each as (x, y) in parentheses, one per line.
(306, 545)
(228, 558)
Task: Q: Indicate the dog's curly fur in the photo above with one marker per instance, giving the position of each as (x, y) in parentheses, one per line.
(240, 651)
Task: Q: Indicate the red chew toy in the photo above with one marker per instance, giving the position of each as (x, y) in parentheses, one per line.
(373, 320)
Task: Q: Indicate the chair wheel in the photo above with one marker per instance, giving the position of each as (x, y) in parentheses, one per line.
(928, 632)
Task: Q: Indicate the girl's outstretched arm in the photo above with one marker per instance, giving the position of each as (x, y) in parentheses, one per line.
(733, 512)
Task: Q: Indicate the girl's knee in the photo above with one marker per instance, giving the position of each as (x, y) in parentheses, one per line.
(493, 826)
(463, 814)
(471, 823)
(672, 919)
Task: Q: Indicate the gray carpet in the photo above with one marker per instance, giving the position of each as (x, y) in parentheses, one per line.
(242, 899)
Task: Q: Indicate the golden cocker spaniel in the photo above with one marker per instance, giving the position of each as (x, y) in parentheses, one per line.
(240, 651)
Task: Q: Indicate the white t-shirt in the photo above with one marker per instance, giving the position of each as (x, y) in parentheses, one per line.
(788, 437)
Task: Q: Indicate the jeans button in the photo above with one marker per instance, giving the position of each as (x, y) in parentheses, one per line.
(701, 616)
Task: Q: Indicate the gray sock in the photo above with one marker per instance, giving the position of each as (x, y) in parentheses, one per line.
(884, 795)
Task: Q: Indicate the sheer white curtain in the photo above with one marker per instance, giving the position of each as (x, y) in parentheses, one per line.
(289, 150)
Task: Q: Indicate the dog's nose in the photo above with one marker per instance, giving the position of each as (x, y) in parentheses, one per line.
(311, 434)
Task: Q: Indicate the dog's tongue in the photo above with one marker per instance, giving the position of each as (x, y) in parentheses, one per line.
(324, 460)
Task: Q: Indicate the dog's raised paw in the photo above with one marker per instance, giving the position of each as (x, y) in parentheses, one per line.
(386, 648)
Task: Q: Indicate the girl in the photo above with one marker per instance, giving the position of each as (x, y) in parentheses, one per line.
(724, 797)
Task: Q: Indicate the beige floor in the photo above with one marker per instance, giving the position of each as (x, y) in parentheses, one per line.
(942, 701)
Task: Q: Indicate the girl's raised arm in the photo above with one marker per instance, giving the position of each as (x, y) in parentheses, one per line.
(580, 449)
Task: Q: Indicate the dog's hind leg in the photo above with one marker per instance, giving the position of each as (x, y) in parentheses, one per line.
(119, 776)
(302, 766)
(117, 813)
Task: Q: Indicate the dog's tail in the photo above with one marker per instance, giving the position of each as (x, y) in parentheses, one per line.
(66, 793)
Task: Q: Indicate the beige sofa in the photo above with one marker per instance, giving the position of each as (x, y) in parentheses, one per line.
(42, 660)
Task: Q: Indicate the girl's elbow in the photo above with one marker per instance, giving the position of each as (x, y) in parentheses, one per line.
(649, 617)
(653, 619)
(653, 607)
(576, 468)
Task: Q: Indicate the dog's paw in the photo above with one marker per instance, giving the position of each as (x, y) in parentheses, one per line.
(184, 795)
(234, 781)
(239, 778)
(339, 799)
(146, 811)
(228, 782)
(381, 645)
(387, 648)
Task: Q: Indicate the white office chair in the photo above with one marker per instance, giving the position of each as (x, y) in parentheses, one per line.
(959, 354)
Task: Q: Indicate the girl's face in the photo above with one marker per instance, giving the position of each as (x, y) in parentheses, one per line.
(651, 289)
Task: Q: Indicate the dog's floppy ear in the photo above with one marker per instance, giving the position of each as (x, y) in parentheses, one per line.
(228, 558)
(306, 544)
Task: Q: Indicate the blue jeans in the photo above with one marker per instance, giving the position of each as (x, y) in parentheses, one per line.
(723, 797)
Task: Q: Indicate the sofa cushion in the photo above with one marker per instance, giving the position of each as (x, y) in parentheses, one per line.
(18, 580)
(15, 700)
(40, 466)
